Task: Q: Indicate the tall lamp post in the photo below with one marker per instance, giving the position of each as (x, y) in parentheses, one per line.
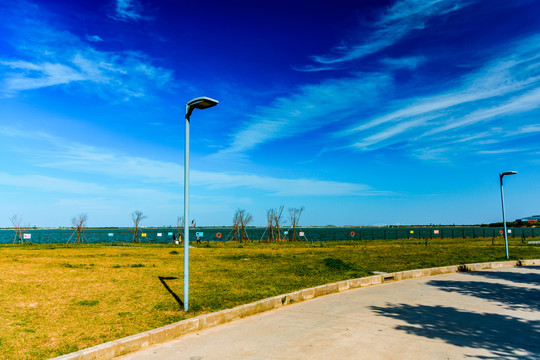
(501, 175)
(197, 103)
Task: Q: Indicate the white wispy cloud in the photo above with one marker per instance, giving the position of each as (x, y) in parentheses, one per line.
(507, 85)
(401, 19)
(525, 130)
(481, 135)
(489, 82)
(127, 74)
(311, 107)
(439, 154)
(90, 159)
(411, 62)
(94, 38)
(516, 105)
(59, 153)
(27, 76)
(80, 158)
(49, 56)
(282, 187)
(500, 151)
(50, 184)
(129, 10)
(390, 132)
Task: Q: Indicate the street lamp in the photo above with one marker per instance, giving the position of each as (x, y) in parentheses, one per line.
(197, 103)
(501, 175)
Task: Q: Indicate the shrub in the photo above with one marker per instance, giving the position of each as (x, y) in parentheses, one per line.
(338, 264)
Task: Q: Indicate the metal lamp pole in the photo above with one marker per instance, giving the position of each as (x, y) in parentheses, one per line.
(501, 175)
(197, 103)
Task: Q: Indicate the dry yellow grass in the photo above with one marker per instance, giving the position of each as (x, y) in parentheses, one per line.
(56, 299)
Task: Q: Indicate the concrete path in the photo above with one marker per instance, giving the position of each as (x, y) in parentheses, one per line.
(480, 315)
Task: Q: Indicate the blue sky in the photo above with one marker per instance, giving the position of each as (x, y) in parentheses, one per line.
(363, 112)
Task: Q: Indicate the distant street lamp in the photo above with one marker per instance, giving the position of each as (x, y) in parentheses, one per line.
(197, 103)
(501, 175)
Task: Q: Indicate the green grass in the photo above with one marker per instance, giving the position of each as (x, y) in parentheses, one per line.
(88, 302)
(57, 298)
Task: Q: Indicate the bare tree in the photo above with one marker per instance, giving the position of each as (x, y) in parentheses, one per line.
(236, 226)
(294, 218)
(234, 234)
(241, 219)
(137, 216)
(270, 225)
(79, 224)
(18, 228)
(273, 218)
(278, 215)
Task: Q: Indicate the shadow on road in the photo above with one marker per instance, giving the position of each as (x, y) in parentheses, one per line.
(504, 336)
(517, 277)
(512, 297)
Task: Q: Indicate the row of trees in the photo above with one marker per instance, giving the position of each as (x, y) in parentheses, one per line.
(137, 216)
(274, 218)
(241, 220)
(79, 223)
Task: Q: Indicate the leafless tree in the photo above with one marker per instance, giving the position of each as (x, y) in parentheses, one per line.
(278, 215)
(137, 216)
(79, 224)
(273, 217)
(18, 228)
(241, 219)
(270, 225)
(234, 234)
(294, 218)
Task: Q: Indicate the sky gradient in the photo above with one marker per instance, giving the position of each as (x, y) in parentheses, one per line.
(363, 112)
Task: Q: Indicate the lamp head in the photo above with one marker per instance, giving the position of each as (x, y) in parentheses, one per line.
(501, 175)
(202, 103)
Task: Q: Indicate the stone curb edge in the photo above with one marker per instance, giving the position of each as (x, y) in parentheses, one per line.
(136, 342)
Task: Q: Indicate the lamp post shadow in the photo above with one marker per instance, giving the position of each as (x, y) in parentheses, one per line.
(176, 297)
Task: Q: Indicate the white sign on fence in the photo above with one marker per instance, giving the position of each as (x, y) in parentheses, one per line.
(436, 232)
(110, 234)
(170, 234)
(159, 234)
(301, 233)
(27, 236)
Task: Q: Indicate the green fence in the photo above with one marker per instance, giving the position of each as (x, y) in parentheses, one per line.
(369, 233)
(165, 235)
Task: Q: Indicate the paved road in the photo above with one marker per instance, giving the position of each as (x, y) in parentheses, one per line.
(478, 315)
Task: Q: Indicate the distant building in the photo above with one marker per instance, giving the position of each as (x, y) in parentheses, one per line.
(530, 219)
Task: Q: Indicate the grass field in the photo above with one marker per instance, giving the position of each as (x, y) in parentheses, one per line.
(56, 299)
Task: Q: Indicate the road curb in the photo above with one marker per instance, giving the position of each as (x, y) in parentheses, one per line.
(136, 342)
